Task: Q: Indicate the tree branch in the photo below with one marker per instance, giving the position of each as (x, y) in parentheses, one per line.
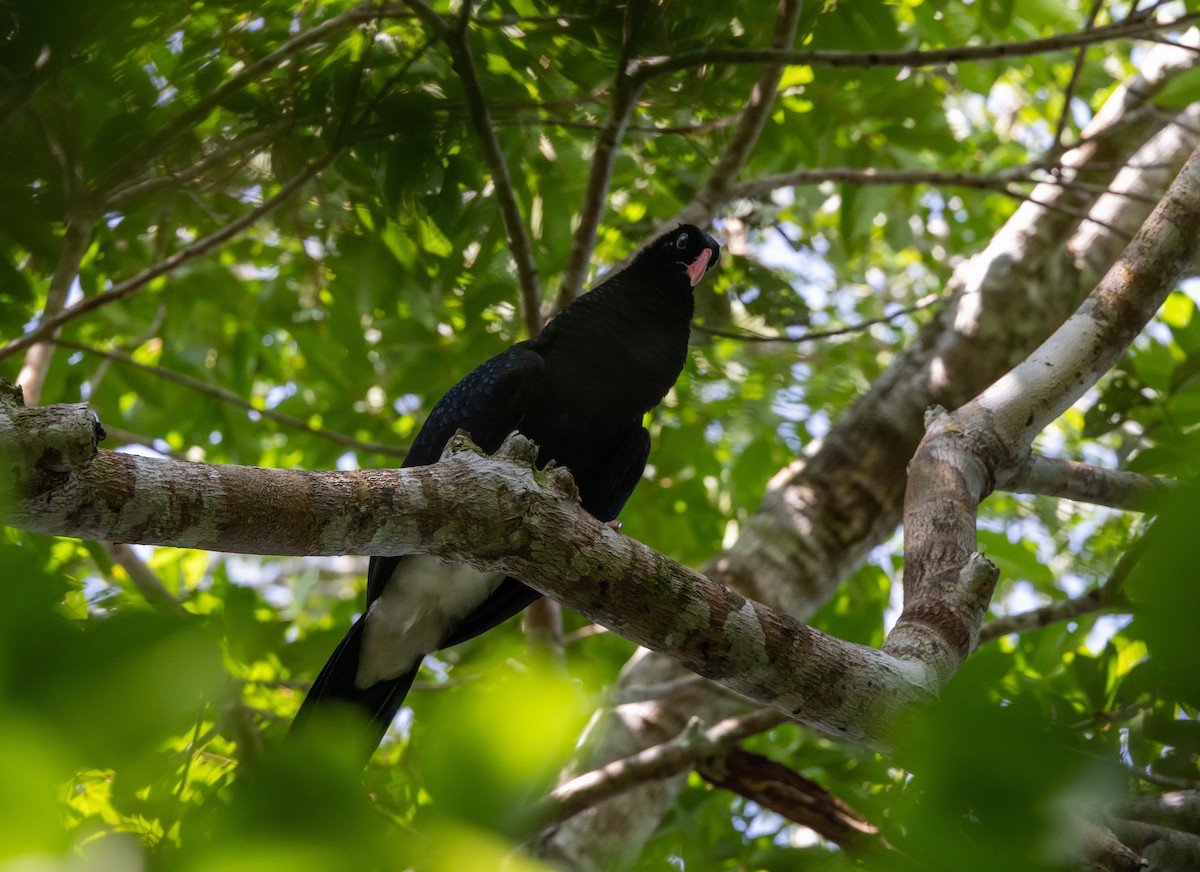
(756, 113)
(143, 578)
(491, 513)
(788, 793)
(188, 118)
(923, 303)
(200, 247)
(177, 178)
(1104, 597)
(75, 244)
(661, 761)
(1069, 94)
(233, 399)
(1069, 479)
(624, 100)
(966, 454)
(644, 69)
(510, 213)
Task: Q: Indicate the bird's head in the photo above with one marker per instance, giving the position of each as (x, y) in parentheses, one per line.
(686, 251)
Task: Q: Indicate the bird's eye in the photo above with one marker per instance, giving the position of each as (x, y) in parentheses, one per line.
(681, 241)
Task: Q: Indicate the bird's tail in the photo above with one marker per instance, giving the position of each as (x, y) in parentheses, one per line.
(335, 686)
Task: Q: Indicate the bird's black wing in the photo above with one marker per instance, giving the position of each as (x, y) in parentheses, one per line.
(608, 492)
(489, 403)
(606, 496)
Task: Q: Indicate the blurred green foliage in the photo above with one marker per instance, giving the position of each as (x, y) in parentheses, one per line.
(354, 306)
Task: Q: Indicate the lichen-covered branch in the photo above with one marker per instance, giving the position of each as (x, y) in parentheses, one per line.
(492, 513)
(822, 514)
(966, 454)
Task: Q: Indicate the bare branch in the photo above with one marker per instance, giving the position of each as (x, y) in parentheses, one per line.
(788, 793)
(923, 303)
(661, 761)
(1170, 848)
(1108, 596)
(758, 109)
(1054, 613)
(507, 516)
(1179, 809)
(147, 583)
(624, 101)
(644, 69)
(227, 396)
(1000, 182)
(75, 244)
(1069, 94)
(200, 247)
(514, 225)
(250, 143)
(185, 120)
(1069, 479)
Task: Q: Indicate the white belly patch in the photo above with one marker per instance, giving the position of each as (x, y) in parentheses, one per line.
(424, 598)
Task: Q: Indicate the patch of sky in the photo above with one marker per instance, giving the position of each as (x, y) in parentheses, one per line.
(713, 391)
(1105, 628)
(406, 404)
(278, 393)
(789, 404)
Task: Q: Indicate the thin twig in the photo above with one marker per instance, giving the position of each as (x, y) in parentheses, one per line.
(1107, 596)
(233, 399)
(1073, 84)
(644, 69)
(1168, 781)
(1069, 479)
(514, 225)
(1077, 214)
(661, 761)
(77, 237)
(624, 100)
(75, 244)
(144, 579)
(923, 303)
(758, 109)
(200, 247)
(251, 143)
(864, 176)
(188, 118)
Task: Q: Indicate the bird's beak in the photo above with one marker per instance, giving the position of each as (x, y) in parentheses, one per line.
(699, 266)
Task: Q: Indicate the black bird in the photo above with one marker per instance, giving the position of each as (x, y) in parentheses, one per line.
(579, 390)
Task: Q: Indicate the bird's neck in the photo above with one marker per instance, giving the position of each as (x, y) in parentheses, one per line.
(632, 330)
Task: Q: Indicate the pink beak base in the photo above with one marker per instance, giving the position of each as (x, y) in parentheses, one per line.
(699, 266)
